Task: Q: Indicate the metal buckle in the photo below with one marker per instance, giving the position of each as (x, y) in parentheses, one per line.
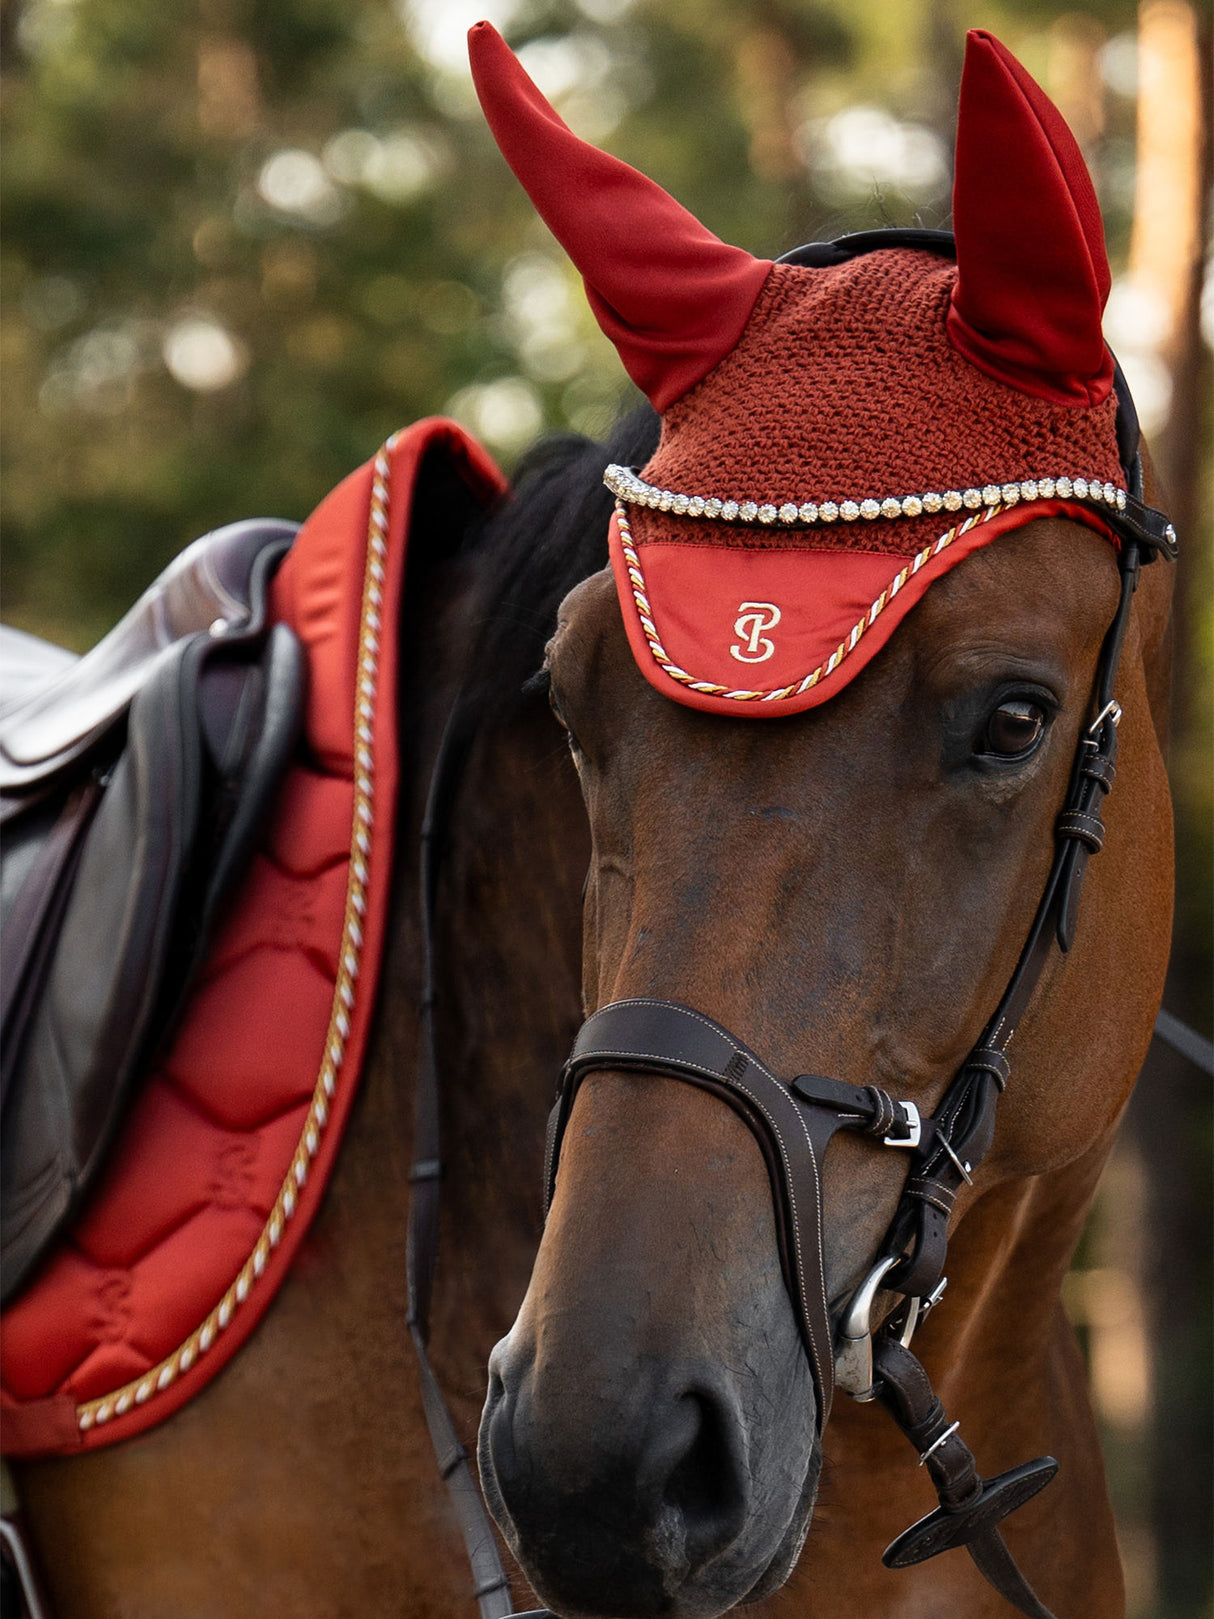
(914, 1127)
(947, 1434)
(1110, 711)
(917, 1308)
(963, 1169)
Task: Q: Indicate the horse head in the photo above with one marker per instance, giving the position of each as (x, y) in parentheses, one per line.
(831, 861)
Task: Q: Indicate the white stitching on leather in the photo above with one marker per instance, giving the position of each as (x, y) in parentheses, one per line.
(713, 1028)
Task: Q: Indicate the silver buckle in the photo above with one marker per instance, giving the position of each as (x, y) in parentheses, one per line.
(914, 1127)
(1110, 711)
(917, 1308)
(963, 1169)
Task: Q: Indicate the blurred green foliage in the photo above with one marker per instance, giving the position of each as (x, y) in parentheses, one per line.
(305, 194)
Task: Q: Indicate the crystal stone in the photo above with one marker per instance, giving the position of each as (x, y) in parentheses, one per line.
(1065, 488)
(933, 502)
(912, 506)
(729, 510)
(891, 507)
(849, 511)
(973, 498)
(748, 511)
(1028, 489)
(808, 512)
(991, 495)
(788, 512)
(712, 508)
(828, 511)
(952, 500)
(767, 514)
(1045, 488)
(1080, 487)
(1010, 493)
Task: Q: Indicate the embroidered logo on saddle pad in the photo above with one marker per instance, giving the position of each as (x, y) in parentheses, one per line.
(753, 618)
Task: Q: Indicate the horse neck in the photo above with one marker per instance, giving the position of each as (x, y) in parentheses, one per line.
(508, 939)
(1007, 1261)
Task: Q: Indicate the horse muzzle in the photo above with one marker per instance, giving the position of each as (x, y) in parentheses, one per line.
(629, 1491)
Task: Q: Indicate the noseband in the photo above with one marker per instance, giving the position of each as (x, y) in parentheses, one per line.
(794, 1120)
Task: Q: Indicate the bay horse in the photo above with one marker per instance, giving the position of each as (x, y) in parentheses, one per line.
(847, 887)
(302, 1481)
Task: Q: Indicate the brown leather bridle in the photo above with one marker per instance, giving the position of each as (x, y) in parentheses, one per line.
(794, 1121)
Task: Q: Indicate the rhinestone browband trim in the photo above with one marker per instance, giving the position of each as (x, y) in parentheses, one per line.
(625, 484)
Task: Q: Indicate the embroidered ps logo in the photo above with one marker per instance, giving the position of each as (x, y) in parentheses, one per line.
(753, 618)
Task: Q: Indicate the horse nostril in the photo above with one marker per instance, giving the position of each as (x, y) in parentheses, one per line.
(638, 1505)
(706, 1485)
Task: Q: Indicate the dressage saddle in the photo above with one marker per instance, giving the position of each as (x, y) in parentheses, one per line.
(133, 781)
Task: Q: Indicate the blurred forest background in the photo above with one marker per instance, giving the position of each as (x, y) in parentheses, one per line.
(245, 239)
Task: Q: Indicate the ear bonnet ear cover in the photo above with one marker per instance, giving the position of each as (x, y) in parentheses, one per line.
(1033, 276)
(670, 295)
(833, 440)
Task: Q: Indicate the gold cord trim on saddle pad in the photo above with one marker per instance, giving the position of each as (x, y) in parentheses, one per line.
(161, 1376)
(845, 647)
(626, 485)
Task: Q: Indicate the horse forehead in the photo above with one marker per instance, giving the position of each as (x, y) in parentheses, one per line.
(1051, 578)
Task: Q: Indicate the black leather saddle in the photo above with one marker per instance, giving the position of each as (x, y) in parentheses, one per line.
(133, 781)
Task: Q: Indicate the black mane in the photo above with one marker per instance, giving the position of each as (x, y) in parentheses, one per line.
(550, 534)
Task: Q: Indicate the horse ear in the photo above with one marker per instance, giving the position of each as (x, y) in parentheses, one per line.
(1032, 271)
(670, 295)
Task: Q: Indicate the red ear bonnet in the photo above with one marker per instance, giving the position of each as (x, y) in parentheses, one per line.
(670, 295)
(834, 437)
(1032, 272)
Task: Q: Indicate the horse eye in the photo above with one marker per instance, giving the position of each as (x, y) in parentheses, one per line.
(1015, 728)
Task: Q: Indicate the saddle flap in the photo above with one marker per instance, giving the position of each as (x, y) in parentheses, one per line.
(135, 854)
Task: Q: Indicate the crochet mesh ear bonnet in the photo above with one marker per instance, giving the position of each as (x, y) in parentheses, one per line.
(837, 434)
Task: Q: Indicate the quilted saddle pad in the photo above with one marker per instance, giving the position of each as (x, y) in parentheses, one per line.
(225, 1155)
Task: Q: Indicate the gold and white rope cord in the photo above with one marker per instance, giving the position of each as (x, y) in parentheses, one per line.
(845, 647)
(165, 1372)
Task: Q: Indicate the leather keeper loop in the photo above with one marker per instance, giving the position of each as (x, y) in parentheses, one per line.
(1100, 768)
(884, 1114)
(992, 1061)
(1088, 828)
(930, 1190)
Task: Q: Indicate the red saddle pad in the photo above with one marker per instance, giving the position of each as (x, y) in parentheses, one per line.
(225, 1156)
